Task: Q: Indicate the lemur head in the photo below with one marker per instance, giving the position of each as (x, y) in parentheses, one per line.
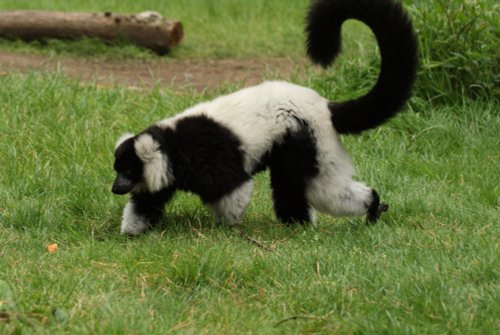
(140, 163)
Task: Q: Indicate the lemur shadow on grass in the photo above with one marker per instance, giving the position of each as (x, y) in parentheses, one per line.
(262, 231)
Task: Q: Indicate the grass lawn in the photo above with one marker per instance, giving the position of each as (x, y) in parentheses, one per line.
(430, 266)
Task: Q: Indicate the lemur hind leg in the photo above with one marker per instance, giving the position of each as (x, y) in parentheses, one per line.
(293, 164)
(231, 207)
(289, 198)
(345, 198)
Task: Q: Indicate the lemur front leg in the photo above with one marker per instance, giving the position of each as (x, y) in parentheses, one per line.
(143, 210)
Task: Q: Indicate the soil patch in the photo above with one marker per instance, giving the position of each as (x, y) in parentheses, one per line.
(177, 74)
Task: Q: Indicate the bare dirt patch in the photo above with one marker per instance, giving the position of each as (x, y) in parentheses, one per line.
(174, 73)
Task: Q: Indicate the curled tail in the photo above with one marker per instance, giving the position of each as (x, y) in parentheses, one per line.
(398, 49)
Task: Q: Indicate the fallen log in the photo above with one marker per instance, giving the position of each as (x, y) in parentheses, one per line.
(147, 29)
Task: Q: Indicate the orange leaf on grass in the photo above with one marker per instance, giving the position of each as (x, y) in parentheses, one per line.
(52, 248)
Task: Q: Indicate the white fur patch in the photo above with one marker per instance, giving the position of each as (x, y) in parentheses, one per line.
(157, 172)
(262, 115)
(132, 224)
(339, 197)
(313, 217)
(123, 138)
(232, 206)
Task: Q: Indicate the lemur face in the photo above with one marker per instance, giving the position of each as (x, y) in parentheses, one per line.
(139, 161)
(128, 166)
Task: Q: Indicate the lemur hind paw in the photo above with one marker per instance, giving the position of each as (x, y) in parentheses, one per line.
(375, 209)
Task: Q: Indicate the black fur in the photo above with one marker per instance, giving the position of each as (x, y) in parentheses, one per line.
(205, 156)
(375, 209)
(128, 166)
(151, 205)
(293, 163)
(398, 48)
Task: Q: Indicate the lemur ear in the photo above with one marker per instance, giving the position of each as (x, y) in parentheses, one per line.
(122, 139)
(156, 170)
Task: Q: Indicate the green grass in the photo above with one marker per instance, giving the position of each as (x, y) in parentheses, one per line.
(459, 52)
(430, 266)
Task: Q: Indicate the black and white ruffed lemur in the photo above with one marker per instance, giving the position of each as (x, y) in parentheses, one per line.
(214, 148)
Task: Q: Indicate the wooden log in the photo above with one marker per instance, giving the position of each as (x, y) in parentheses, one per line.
(147, 29)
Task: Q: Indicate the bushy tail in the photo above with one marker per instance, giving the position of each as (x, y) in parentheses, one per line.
(398, 49)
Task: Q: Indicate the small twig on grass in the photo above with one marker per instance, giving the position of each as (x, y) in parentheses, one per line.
(484, 228)
(318, 270)
(249, 238)
(303, 317)
(8, 317)
(198, 233)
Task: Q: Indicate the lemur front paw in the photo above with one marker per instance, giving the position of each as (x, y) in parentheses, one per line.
(133, 224)
(134, 228)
